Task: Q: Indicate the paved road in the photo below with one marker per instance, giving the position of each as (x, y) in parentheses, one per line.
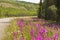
(4, 22)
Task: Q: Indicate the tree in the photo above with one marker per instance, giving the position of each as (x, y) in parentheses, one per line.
(40, 10)
(46, 9)
(58, 10)
(44, 6)
(50, 14)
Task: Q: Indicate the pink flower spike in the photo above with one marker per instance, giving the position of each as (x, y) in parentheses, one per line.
(43, 30)
(31, 23)
(39, 37)
(32, 38)
(32, 32)
(21, 38)
(15, 34)
(14, 38)
(20, 23)
(49, 39)
(38, 25)
(55, 36)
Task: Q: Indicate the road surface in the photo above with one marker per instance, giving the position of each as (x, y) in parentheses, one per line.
(4, 22)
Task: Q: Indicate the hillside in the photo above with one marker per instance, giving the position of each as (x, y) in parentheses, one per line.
(17, 8)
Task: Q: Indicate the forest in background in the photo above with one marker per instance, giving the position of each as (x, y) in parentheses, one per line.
(50, 10)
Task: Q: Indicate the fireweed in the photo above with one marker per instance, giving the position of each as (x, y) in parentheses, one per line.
(34, 31)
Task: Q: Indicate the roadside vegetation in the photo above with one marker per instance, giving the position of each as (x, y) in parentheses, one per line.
(32, 29)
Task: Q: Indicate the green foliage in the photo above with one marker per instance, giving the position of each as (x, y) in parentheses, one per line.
(50, 10)
(50, 34)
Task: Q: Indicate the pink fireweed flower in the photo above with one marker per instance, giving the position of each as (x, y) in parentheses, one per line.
(14, 38)
(38, 37)
(38, 25)
(32, 38)
(47, 39)
(32, 32)
(31, 23)
(15, 35)
(55, 36)
(20, 23)
(21, 38)
(43, 30)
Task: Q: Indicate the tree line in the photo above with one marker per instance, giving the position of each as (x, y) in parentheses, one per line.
(49, 10)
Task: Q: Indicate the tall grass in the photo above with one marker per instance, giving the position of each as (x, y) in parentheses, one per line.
(35, 29)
